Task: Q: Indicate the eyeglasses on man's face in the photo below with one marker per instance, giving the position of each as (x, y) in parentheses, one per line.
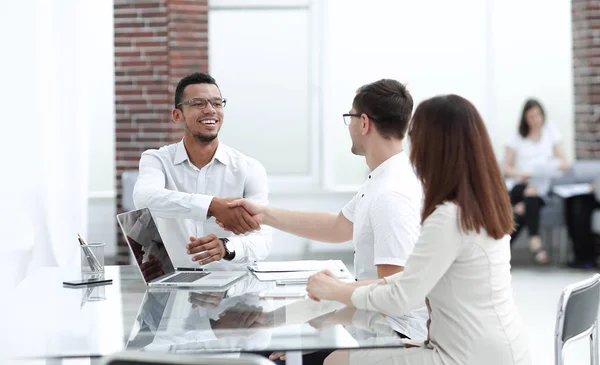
(201, 103)
(348, 117)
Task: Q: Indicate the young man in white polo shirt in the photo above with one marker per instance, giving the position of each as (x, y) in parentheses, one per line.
(383, 219)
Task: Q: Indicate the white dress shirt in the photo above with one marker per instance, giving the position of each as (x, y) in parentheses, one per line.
(179, 194)
(386, 217)
(466, 277)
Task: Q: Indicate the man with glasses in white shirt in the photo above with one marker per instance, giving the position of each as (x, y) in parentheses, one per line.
(383, 219)
(187, 185)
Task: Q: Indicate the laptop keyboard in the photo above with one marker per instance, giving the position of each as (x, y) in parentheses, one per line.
(186, 277)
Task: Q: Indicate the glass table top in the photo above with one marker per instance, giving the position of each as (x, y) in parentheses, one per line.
(46, 320)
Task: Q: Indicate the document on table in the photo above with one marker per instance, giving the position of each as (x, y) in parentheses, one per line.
(548, 170)
(286, 266)
(296, 271)
(300, 276)
(567, 191)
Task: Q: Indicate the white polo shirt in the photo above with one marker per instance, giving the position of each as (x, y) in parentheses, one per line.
(386, 214)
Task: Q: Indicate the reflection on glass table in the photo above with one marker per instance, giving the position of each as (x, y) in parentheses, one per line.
(185, 321)
(62, 322)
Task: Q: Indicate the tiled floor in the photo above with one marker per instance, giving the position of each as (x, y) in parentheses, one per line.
(537, 292)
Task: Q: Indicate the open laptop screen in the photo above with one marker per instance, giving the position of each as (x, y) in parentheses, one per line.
(145, 244)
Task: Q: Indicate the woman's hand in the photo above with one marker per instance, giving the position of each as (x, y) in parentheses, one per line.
(323, 285)
(523, 178)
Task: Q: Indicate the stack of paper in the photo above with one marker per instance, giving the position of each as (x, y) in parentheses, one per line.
(283, 266)
(567, 191)
(296, 271)
(549, 169)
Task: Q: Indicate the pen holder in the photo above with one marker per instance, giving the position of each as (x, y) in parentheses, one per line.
(94, 293)
(92, 258)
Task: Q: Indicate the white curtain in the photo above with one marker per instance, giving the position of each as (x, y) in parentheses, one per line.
(44, 113)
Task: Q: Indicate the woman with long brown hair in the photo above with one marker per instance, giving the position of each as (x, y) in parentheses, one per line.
(461, 262)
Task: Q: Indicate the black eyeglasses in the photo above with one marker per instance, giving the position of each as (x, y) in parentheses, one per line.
(202, 103)
(348, 117)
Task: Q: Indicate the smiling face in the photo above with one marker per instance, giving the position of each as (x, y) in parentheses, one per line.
(201, 122)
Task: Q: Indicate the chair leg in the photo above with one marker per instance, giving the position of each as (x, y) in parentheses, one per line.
(564, 245)
(557, 241)
(550, 242)
(594, 345)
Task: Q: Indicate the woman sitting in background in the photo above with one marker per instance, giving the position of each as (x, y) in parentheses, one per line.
(532, 157)
(461, 261)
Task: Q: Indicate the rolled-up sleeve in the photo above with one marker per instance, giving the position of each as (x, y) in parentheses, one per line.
(434, 252)
(254, 246)
(150, 192)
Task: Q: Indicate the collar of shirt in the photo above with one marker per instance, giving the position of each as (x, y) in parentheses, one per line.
(182, 155)
(386, 165)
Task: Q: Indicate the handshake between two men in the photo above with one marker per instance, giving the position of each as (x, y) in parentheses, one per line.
(236, 215)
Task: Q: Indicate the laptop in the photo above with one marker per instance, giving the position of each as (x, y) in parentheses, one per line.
(153, 260)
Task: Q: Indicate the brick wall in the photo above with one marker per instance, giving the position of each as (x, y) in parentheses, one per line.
(157, 42)
(586, 68)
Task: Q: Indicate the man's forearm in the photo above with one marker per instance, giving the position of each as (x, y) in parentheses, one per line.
(314, 226)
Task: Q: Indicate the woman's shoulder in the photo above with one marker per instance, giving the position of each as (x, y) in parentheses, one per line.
(445, 214)
(515, 140)
(443, 223)
(447, 208)
(446, 221)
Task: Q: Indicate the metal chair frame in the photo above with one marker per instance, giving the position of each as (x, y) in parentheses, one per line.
(592, 331)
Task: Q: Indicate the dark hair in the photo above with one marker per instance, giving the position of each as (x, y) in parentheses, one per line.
(529, 104)
(453, 157)
(388, 104)
(195, 78)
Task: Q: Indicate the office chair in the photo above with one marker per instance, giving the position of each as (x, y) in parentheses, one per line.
(148, 358)
(577, 316)
(128, 179)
